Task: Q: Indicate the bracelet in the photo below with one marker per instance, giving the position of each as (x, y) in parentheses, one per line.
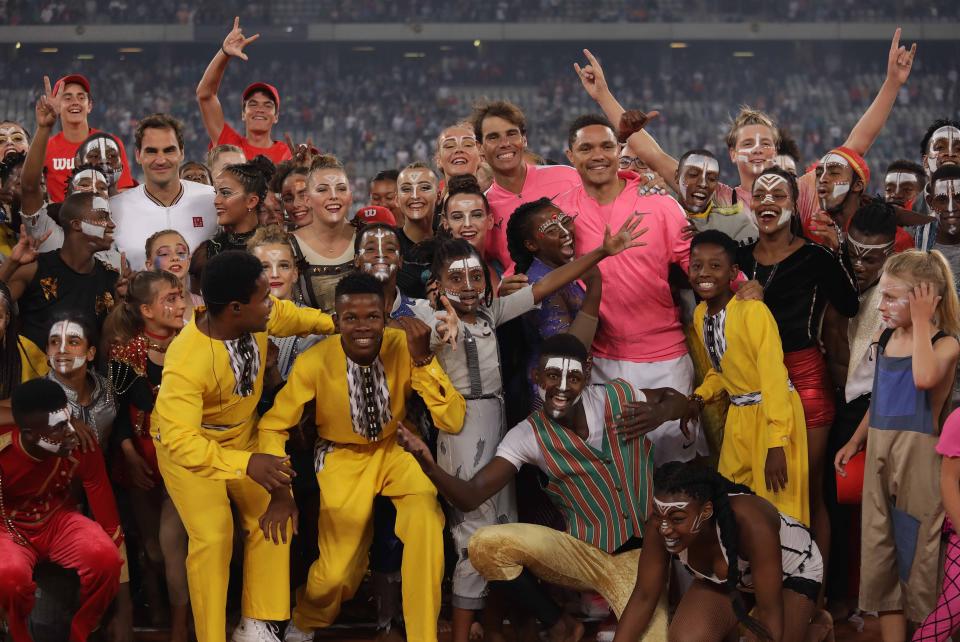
(697, 399)
(224, 51)
(422, 362)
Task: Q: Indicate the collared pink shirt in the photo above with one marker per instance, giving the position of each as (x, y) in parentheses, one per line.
(638, 318)
(541, 181)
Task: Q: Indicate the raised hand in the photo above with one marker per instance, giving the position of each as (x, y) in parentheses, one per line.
(448, 326)
(511, 284)
(235, 41)
(28, 247)
(626, 237)
(591, 76)
(123, 283)
(923, 302)
(48, 105)
(899, 60)
(632, 121)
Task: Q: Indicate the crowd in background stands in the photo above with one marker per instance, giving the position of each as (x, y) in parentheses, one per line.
(382, 114)
(294, 11)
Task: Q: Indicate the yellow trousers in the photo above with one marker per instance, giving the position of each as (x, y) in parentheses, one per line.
(204, 507)
(502, 552)
(351, 476)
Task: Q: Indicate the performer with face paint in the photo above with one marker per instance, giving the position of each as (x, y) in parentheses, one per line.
(765, 440)
(361, 381)
(103, 152)
(71, 346)
(417, 197)
(39, 462)
(719, 529)
(324, 246)
(698, 174)
(915, 362)
(903, 182)
(70, 278)
(943, 199)
(588, 437)
(473, 364)
(940, 146)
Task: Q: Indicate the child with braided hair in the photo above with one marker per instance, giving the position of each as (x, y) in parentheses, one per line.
(738, 548)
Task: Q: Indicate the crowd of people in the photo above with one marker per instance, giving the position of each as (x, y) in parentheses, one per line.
(710, 388)
(425, 11)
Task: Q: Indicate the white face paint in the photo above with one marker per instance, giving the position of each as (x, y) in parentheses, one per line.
(273, 260)
(946, 133)
(64, 330)
(54, 419)
(57, 416)
(464, 265)
(376, 266)
(97, 230)
(894, 302)
(419, 187)
(899, 178)
(950, 190)
(840, 188)
(92, 180)
(786, 163)
(770, 182)
(558, 220)
(705, 164)
(566, 366)
(745, 152)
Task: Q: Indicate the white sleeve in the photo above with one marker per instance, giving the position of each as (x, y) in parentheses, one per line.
(37, 225)
(519, 446)
(505, 308)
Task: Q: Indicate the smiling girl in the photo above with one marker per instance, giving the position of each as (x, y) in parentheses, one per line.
(168, 251)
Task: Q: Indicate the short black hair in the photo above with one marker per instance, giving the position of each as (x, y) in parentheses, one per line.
(10, 162)
(190, 164)
(910, 167)
(229, 276)
(285, 170)
(358, 283)
(718, 238)
(937, 124)
(585, 121)
(564, 345)
(465, 184)
(75, 207)
(691, 152)
(36, 396)
(371, 227)
(519, 231)
(386, 175)
(875, 218)
(945, 173)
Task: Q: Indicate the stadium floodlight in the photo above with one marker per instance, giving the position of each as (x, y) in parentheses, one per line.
(678, 45)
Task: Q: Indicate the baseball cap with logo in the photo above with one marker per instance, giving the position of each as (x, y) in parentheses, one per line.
(375, 214)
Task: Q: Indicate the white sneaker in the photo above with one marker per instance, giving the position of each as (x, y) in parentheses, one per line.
(251, 630)
(293, 634)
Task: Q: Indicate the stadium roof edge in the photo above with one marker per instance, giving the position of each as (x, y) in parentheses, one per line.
(460, 32)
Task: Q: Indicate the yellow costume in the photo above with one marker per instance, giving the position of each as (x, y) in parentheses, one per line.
(765, 411)
(353, 468)
(205, 436)
(33, 360)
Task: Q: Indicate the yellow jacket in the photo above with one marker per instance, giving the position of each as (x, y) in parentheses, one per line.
(321, 373)
(198, 419)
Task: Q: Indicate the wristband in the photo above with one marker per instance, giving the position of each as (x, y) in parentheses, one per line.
(224, 51)
(422, 362)
(697, 399)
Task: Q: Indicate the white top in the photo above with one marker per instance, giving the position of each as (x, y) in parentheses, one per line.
(139, 215)
(519, 446)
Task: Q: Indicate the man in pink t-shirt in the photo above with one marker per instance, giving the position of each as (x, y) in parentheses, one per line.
(260, 111)
(640, 337)
(501, 129)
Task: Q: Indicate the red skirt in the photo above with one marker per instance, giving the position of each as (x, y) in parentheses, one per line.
(808, 372)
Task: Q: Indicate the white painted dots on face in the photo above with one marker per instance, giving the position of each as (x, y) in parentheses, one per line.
(466, 266)
(766, 185)
(948, 192)
(557, 220)
(840, 188)
(376, 265)
(861, 250)
(64, 331)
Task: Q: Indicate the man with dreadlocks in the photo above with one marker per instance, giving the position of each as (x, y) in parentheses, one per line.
(734, 545)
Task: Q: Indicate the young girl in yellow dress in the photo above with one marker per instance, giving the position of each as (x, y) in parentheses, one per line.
(765, 440)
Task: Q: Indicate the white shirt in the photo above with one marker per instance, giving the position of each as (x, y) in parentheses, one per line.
(519, 446)
(138, 215)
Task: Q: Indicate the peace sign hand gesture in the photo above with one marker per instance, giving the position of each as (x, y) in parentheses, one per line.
(48, 105)
(448, 323)
(235, 41)
(28, 247)
(625, 238)
(899, 60)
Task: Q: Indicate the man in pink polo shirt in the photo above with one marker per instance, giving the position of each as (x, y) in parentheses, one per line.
(501, 129)
(639, 337)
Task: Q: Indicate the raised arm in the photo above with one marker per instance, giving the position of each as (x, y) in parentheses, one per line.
(584, 325)
(899, 64)
(47, 108)
(19, 268)
(642, 144)
(210, 108)
(465, 494)
(932, 363)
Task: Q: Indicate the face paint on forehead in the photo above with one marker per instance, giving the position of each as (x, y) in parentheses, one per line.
(786, 163)
(951, 190)
(57, 416)
(948, 133)
(64, 329)
(556, 219)
(102, 145)
(464, 264)
(331, 180)
(704, 163)
(665, 508)
(861, 249)
(833, 159)
(92, 175)
(565, 365)
(899, 178)
(274, 257)
(458, 139)
(771, 181)
(9, 131)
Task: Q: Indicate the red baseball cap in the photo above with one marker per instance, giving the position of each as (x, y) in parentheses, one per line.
(375, 214)
(72, 78)
(264, 87)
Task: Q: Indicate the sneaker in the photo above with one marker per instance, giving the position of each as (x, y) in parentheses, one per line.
(251, 630)
(293, 634)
